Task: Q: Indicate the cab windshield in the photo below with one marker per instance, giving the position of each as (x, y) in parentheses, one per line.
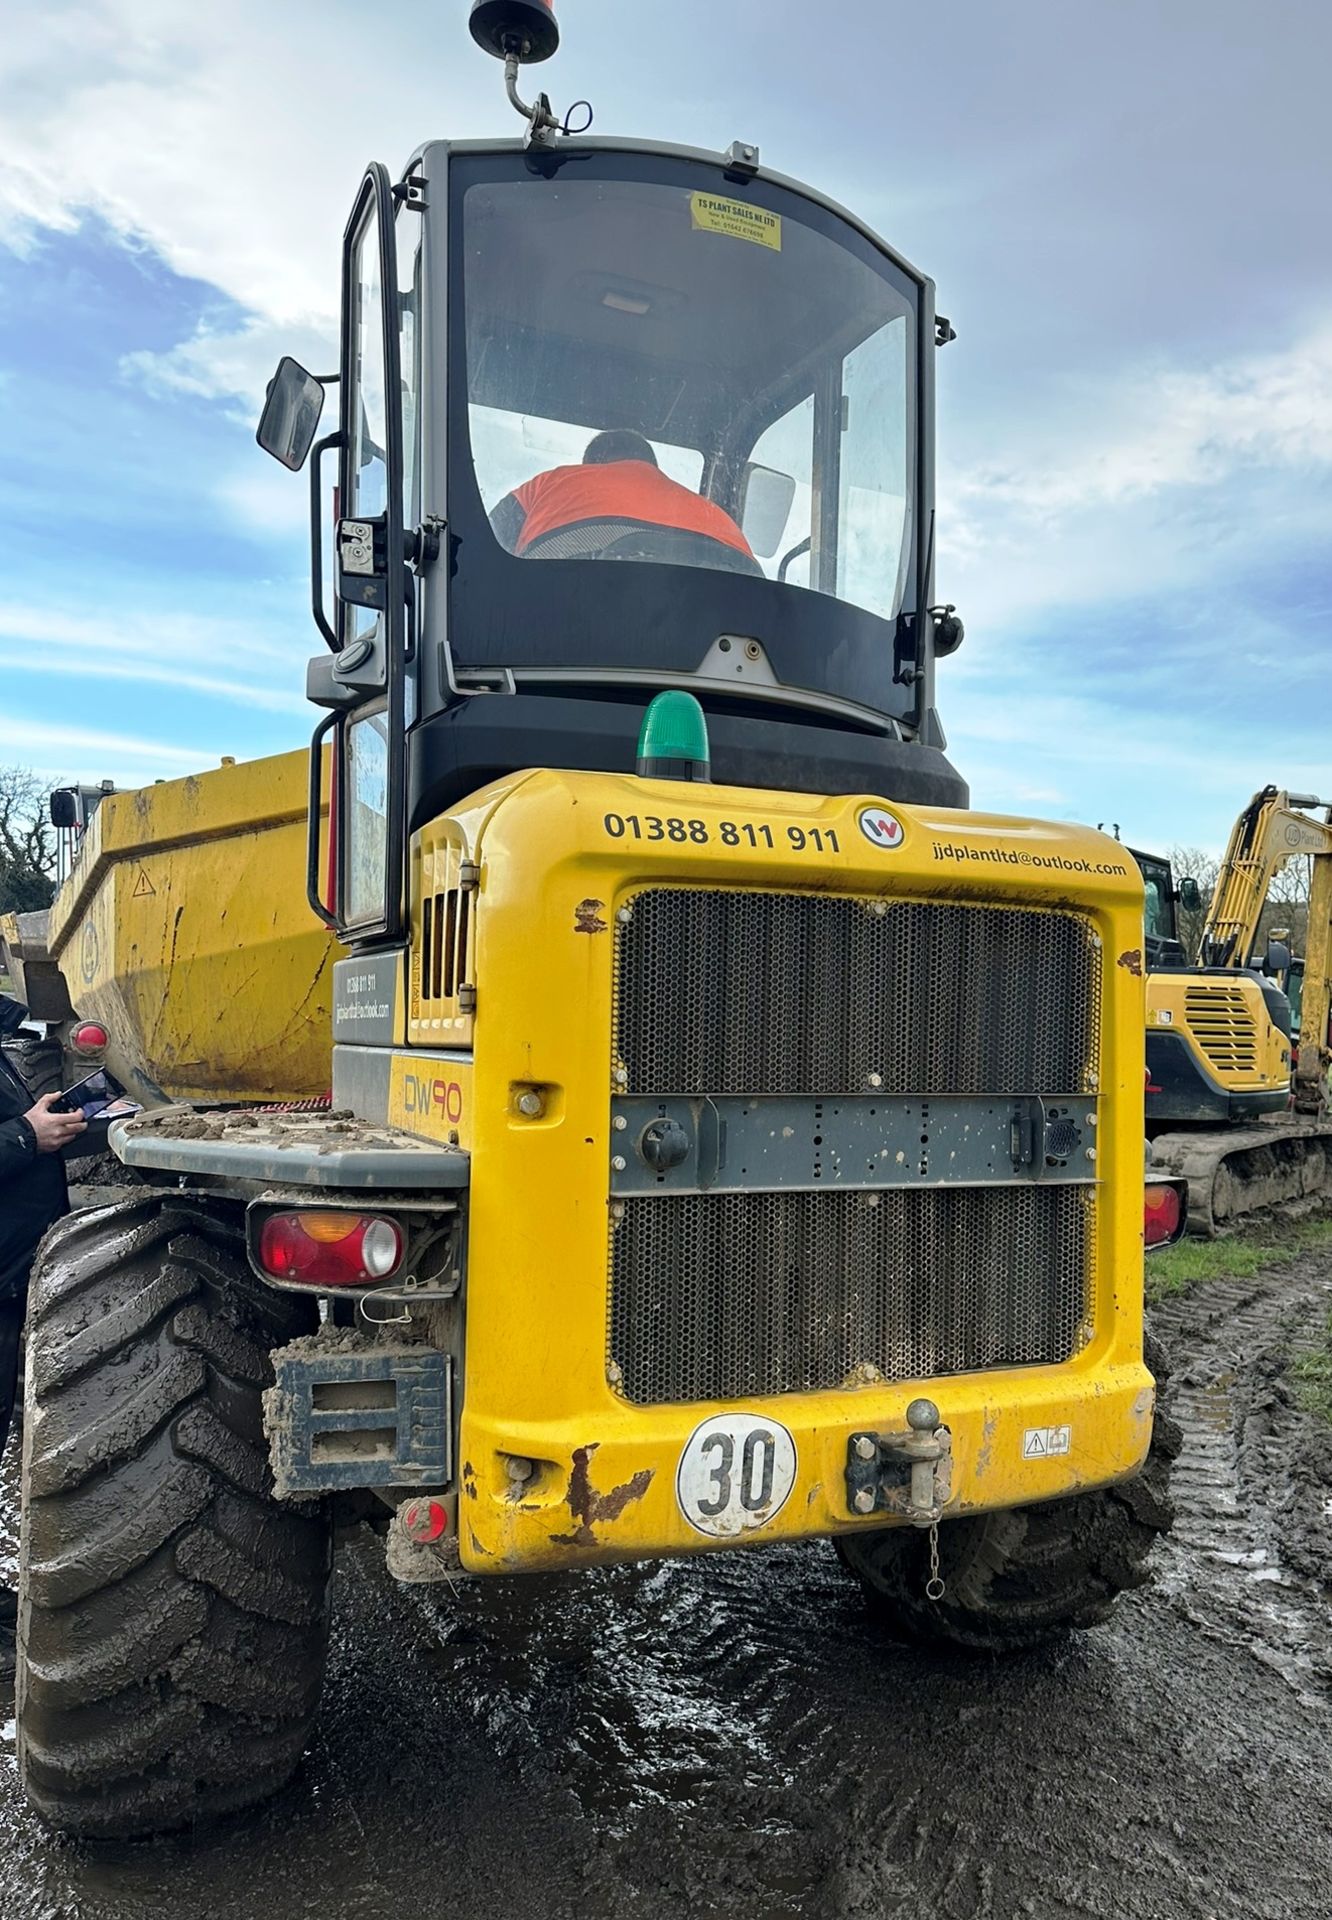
(1159, 920)
(657, 371)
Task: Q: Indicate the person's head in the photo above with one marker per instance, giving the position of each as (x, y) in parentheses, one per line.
(620, 443)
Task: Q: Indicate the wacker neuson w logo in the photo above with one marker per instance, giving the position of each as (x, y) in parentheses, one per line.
(1019, 857)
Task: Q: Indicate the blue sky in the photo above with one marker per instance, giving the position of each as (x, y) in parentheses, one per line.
(1124, 206)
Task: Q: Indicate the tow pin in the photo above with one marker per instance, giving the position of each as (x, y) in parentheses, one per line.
(923, 1418)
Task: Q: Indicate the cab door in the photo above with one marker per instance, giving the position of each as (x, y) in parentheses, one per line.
(373, 580)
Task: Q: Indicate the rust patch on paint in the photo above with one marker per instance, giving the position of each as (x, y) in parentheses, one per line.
(469, 1480)
(588, 1507)
(587, 917)
(1131, 962)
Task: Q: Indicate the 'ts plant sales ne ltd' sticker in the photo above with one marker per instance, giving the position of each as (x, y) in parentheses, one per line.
(710, 213)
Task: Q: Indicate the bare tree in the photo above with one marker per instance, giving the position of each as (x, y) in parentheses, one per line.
(1191, 863)
(1287, 903)
(27, 848)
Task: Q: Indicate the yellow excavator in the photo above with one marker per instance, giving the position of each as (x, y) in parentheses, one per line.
(1223, 1071)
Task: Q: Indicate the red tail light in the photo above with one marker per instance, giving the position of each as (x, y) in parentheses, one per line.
(88, 1037)
(1164, 1212)
(327, 1249)
(425, 1520)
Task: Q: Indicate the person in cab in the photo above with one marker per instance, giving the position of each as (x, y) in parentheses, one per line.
(618, 505)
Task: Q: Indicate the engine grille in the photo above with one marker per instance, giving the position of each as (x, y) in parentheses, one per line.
(782, 993)
(763, 1292)
(1222, 1023)
(727, 1295)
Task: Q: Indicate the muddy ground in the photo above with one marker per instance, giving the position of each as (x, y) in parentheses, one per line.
(729, 1737)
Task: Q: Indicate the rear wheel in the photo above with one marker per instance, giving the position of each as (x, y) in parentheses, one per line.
(1015, 1578)
(172, 1616)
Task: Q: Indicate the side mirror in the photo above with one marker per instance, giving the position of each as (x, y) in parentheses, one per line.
(949, 633)
(766, 497)
(1276, 961)
(290, 419)
(64, 808)
(1188, 895)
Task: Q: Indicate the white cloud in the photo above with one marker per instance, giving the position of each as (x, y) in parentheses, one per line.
(143, 634)
(230, 142)
(232, 661)
(1143, 484)
(57, 750)
(99, 665)
(1171, 428)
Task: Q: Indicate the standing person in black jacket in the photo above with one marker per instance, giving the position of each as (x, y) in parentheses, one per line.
(32, 1195)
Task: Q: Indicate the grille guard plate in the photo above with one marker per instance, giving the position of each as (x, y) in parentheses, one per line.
(735, 1144)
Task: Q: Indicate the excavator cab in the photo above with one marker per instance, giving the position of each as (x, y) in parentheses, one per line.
(1162, 898)
(504, 304)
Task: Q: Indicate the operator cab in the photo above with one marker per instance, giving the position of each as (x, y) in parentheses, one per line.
(1161, 897)
(506, 303)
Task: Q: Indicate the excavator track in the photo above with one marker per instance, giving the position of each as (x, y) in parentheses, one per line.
(1241, 1170)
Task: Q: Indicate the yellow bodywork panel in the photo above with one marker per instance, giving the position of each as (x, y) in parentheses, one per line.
(1224, 1021)
(557, 855)
(184, 930)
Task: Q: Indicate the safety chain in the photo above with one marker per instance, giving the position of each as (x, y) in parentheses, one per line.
(934, 1586)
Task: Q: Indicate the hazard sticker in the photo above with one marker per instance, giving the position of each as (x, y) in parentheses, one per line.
(881, 828)
(710, 213)
(1038, 1443)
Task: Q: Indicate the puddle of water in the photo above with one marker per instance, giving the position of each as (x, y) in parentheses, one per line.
(1213, 1403)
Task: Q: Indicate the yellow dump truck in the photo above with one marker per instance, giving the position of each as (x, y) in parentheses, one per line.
(185, 944)
(735, 1139)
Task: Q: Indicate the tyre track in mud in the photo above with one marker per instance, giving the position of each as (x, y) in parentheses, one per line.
(1241, 1489)
(730, 1736)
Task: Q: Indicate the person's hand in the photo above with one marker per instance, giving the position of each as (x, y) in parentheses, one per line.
(53, 1130)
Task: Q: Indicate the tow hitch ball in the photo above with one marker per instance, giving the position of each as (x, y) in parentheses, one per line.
(908, 1474)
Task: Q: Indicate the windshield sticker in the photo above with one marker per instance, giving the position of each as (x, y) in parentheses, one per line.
(709, 213)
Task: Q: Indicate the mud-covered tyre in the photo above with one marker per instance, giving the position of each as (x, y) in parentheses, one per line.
(1025, 1575)
(39, 1064)
(173, 1618)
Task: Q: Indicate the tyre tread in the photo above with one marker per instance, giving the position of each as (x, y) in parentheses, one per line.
(173, 1617)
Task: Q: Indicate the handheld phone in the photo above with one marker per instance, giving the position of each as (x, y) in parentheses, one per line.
(88, 1096)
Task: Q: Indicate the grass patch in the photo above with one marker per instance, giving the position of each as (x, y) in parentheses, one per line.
(1312, 1374)
(1238, 1257)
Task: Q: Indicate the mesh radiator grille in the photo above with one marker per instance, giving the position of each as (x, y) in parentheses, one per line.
(726, 1295)
(730, 1295)
(787, 993)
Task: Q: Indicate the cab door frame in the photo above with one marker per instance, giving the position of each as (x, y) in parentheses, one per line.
(372, 584)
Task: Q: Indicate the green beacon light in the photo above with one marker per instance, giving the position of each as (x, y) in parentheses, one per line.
(673, 741)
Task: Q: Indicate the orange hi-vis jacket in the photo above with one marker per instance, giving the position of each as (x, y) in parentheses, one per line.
(619, 490)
